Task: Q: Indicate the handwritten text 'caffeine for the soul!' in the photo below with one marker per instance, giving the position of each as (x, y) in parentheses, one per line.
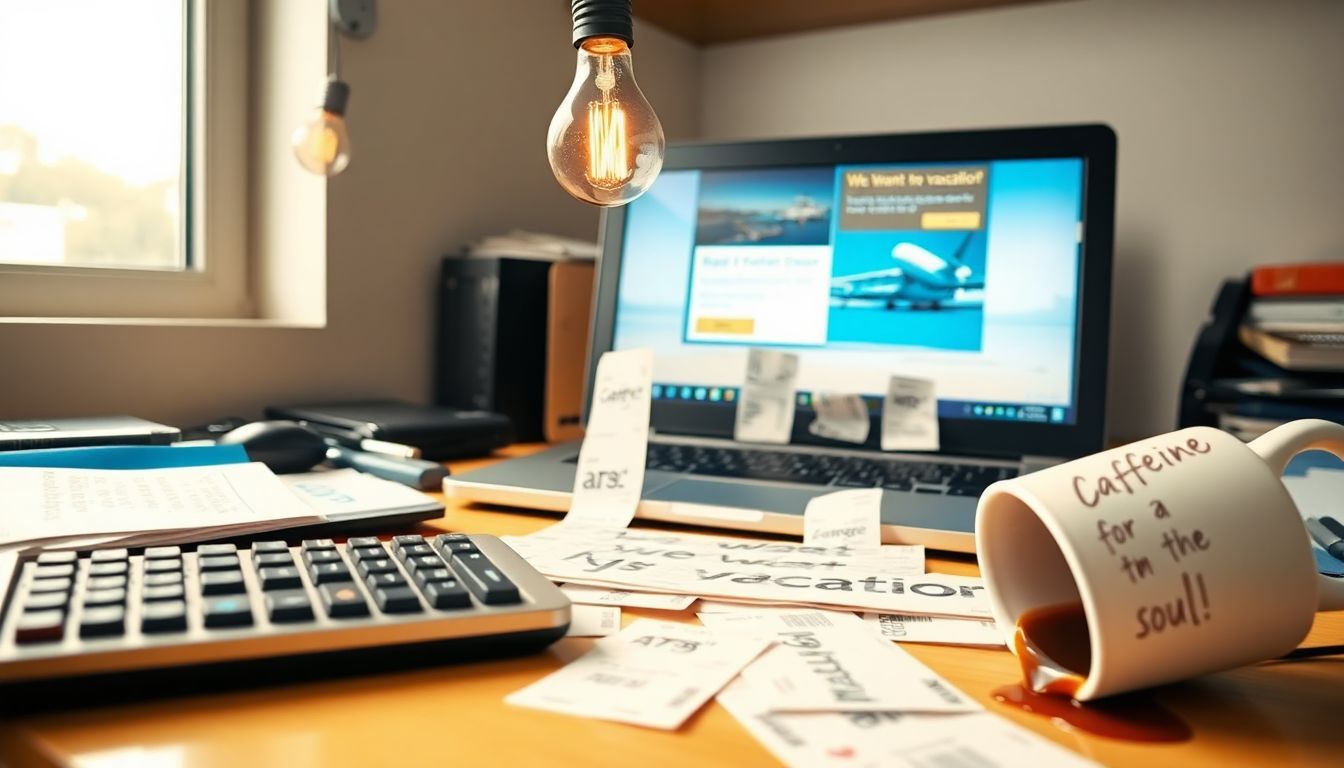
(1127, 477)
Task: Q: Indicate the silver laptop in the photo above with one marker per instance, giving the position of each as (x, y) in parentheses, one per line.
(980, 260)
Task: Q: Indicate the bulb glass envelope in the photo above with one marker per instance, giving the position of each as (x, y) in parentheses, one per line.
(605, 143)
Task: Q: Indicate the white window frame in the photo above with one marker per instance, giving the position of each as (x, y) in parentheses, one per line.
(218, 285)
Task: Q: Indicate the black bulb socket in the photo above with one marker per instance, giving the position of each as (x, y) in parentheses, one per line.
(336, 97)
(603, 18)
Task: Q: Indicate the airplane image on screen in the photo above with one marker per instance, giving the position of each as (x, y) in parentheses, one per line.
(803, 210)
(921, 279)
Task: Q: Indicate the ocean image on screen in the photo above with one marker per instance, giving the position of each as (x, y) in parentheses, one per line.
(790, 206)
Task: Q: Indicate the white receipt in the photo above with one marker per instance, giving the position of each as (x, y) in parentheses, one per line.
(654, 673)
(827, 662)
(609, 476)
(851, 517)
(907, 628)
(603, 596)
(840, 417)
(898, 739)
(593, 620)
(910, 415)
(766, 404)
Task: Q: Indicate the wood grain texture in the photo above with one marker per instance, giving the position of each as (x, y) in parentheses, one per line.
(1273, 713)
(706, 22)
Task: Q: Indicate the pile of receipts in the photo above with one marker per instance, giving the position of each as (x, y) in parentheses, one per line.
(781, 644)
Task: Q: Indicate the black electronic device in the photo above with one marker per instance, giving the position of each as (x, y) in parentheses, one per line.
(111, 617)
(26, 434)
(439, 433)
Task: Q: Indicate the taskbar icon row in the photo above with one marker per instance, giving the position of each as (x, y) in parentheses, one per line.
(692, 392)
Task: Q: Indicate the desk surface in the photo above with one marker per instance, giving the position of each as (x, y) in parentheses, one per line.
(1284, 713)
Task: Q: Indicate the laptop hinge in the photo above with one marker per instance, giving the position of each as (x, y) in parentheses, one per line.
(1033, 463)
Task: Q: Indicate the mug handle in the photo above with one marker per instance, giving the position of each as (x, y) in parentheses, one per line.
(1277, 447)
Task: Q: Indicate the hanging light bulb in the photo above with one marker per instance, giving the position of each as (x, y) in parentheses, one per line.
(605, 143)
(322, 144)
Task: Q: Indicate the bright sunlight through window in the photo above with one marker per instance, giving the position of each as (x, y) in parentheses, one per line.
(92, 133)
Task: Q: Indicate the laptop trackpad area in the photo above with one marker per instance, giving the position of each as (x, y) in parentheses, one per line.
(952, 513)
(791, 501)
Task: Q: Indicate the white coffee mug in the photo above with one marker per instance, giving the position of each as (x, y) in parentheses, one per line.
(1185, 550)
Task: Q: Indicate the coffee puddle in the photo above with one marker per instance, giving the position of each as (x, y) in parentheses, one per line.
(1054, 649)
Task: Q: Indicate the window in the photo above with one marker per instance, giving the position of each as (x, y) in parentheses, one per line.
(122, 158)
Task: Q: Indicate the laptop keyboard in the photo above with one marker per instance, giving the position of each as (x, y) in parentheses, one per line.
(827, 469)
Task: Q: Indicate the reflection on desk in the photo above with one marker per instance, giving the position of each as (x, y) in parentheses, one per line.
(1281, 713)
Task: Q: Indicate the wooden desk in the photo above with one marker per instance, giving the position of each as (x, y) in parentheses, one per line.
(1285, 713)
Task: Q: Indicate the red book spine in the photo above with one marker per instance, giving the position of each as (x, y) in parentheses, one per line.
(1298, 280)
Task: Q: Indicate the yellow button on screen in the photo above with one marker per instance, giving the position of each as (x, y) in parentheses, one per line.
(739, 325)
(950, 220)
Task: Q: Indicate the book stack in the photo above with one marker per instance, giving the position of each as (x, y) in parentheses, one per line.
(1272, 351)
(1295, 318)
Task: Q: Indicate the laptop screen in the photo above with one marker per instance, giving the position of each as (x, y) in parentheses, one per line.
(964, 269)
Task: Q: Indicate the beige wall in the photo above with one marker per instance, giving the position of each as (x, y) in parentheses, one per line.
(1229, 116)
(448, 118)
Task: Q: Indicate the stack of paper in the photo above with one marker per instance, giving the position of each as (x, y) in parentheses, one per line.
(44, 508)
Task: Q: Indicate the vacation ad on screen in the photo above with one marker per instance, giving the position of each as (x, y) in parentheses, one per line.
(849, 256)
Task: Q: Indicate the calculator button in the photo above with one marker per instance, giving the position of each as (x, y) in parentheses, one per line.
(367, 553)
(163, 553)
(219, 563)
(426, 575)
(46, 601)
(105, 582)
(162, 592)
(163, 566)
(423, 562)
(269, 547)
(342, 600)
(103, 621)
(49, 585)
(414, 550)
(330, 573)
(107, 568)
(447, 594)
(208, 550)
(40, 627)
(381, 565)
(105, 596)
(285, 577)
(318, 544)
(364, 541)
(397, 600)
(222, 583)
(273, 558)
(288, 606)
(108, 555)
(227, 612)
(384, 580)
(166, 616)
(63, 571)
(485, 581)
(454, 546)
(315, 556)
(57, 558)
(161, 579)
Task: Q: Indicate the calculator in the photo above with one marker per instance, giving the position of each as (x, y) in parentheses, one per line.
(71, 615)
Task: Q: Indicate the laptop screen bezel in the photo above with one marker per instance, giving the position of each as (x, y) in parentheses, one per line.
(1094, 144)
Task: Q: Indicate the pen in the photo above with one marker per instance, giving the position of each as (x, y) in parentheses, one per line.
(417, 473)
(357, 441)
(1332, 525)
(1328, 539)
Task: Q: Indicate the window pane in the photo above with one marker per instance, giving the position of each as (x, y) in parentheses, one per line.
(92, 133)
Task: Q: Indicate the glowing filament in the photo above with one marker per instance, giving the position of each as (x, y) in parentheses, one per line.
(608, 151)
